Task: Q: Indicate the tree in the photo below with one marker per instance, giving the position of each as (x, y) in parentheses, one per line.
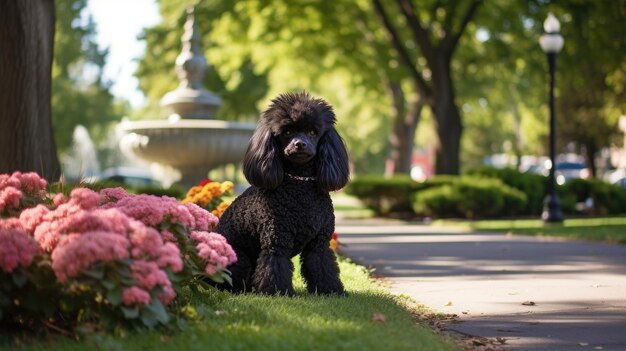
(26, 42)
(304, 46)
(437, 39)
(382, 63)
(589, 103)
(79, 93)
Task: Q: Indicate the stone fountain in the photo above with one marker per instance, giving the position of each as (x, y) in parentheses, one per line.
(190, 140)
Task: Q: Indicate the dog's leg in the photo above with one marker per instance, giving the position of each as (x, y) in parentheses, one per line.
(273, 274)
(320, 269)
(241, 272)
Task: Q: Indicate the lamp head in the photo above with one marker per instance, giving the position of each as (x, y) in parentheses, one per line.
(552, 41)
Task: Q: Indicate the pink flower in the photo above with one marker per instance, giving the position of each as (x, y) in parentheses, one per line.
(135, 296)
(10, 197)
(59, 199)
(146, 242)
(169, 257)
(9, 181)
(32, 217)
(204, 220)
(31, 183)
(153, 210)
(215, 250)
(168, 236)
(79, 252)
(16, 248)
(113, 194)
(148, 274)
(85, 198)
(168, 295)
(116, 221)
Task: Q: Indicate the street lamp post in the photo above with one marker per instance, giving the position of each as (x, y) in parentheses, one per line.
(552, 43)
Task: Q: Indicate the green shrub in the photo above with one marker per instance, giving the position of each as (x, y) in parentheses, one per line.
(438, 201)
(469, 197)
(384, 195)
(174, 191)
(607, 199)
(533, 185)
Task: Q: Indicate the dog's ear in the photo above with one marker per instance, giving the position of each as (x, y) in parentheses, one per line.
(333, 171)
(262, 165)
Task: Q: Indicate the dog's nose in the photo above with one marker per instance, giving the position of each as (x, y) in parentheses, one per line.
(300, 144)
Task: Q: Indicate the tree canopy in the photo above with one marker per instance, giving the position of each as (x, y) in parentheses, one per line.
(79, 94)
(475, 69)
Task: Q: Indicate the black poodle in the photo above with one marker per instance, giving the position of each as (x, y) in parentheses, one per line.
(294, 159)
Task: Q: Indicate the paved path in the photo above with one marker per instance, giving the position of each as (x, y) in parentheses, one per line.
(537, 293)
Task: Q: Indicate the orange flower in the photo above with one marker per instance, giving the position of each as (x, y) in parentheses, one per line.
(208, 195)
(334, 242)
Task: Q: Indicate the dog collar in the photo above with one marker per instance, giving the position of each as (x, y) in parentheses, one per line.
(304, 179)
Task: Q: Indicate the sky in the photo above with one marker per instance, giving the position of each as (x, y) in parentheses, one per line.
(119, 22)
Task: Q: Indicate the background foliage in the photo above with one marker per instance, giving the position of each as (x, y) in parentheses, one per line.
(79, 94)
(340, 50)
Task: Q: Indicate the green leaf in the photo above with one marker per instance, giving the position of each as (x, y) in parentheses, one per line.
(95, 272)
(159, 311)
(108, 284)
(130, 312)
(148, 318)
(19, 278)
(115, 296)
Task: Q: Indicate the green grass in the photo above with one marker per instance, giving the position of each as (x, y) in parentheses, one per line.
(305, 322)
(605, 229)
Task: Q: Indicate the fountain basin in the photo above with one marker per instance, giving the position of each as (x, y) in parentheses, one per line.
(192, 146)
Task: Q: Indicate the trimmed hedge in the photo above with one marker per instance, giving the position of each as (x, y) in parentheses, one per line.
(384, 195)
(483, 192)
(607, 199)
(533, 185)
(469, 197)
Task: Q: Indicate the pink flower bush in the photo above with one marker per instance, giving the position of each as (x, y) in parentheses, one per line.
(204, 220)
(122, 248)
(17, 249)
(215, 250)
(80, 251)
(20, 190)
(151, 210)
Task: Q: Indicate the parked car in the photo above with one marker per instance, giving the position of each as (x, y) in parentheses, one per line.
(566, 171)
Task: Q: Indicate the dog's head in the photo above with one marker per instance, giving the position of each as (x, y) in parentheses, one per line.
(298, 129)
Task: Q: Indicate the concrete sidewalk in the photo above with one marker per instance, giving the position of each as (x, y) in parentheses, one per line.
(536, 293)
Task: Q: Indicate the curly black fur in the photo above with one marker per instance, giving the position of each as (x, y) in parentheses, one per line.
(294, 158)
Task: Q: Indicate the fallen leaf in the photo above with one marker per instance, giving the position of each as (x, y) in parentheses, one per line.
(528, 303)
(449, 303)
(379, 317)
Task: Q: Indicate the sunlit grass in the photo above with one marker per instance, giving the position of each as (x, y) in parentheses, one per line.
(605, 229)
(369, 318)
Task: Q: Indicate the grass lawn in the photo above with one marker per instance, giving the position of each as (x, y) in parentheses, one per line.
(368, 319)
(606, 229)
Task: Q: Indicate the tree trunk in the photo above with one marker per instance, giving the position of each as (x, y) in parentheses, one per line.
(26, 53)
(405, 123)
(590, 150)
(447, 120)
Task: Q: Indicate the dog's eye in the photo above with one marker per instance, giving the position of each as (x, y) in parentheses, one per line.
(312, 133)
(288, 133)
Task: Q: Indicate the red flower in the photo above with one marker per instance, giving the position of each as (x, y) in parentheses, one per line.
(335, 236)
(205, 181)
